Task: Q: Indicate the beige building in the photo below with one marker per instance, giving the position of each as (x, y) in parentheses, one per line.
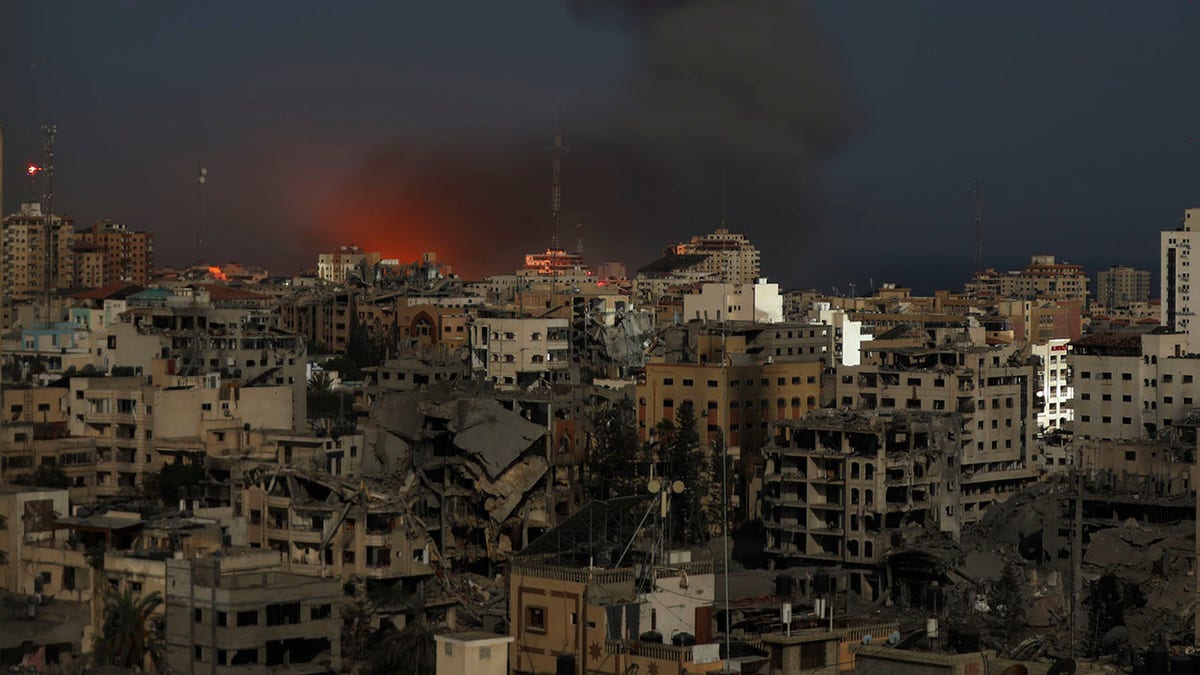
(1132, 386)
(472, 653)
(1175, 273)
(991, 387)
(515, 352)
(1042, 278)
(114, 253)
(240, 612)
(728, 256)
(837, 487)
(23, 270)
(1121, 287)
(347, 261)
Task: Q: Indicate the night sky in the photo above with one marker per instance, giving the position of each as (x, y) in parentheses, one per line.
(848, 133)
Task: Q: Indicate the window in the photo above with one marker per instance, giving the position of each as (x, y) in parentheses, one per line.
(1126, 398)
(248, 618)
(1085, 375)
(282, 614)
(535, 619)
(197, 616)
(712, 383)
(448, 649)
(688, 382)
(1130, 455)
(198, 651)
(668, 381)
(485, 653)
(1127, 376)
(1106, 419)
(321, 612)
(1085, 397)
(222, 619)
(1126, 420)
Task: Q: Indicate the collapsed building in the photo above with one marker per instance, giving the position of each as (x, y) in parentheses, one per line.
(480, 468)
(838, 488)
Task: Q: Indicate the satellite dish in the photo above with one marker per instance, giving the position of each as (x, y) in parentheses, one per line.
(677, 487)
(894, 638)
(866, 639)
(653, 486)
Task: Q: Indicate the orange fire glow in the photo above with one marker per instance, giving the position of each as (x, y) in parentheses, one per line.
(32, 169)
(217, 273)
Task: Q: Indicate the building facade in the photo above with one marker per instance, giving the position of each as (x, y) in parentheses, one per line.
(1120, 287)
(1175, 274)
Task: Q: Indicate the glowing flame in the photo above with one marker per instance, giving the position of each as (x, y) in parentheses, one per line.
(32, 169)
(217, 273)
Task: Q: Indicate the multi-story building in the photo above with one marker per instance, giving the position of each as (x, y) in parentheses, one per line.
(335, 267)
(322, 526)
(991, 387)
(759, 302)
(124, 254)
(513, 352)
(837, 485)
(728, 256)
(1055, 395)
(1175, 273)
(1042, 278)
(733, 402)
(1122, 287)
(23, 261)
(1132, 386)
(240, 611)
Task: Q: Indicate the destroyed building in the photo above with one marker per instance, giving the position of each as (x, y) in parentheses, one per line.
(323, 525)
(837, 488)
(479, 467)
(992, 388)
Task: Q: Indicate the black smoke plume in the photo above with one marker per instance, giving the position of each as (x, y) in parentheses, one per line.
(747, 93)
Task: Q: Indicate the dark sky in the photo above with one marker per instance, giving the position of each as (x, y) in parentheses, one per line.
(848, 133)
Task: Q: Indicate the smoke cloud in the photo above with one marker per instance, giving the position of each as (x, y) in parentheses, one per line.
(742, 92)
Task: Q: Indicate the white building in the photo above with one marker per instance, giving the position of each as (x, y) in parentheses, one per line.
(1054, 394)
(1175, 274)
(334, 267)
(848, 335)
(758, 302)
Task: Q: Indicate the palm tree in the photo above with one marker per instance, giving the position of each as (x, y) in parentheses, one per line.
(129, 635)
(408, 651)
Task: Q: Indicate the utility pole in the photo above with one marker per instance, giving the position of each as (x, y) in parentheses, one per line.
(1076, 545)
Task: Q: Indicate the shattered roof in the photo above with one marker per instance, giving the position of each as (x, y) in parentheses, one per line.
(497, 434)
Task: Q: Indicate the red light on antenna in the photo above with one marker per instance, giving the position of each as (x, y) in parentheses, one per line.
(32, 169)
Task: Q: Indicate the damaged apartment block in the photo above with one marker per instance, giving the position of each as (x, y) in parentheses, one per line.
(838, 488)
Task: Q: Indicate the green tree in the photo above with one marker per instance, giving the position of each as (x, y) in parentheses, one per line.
(1007, 600)
(344, 366)
(1106, 610)
(129, 636)
(408, 651)
(165, 484)
(685, 463)
(614, 451)
(713, 506)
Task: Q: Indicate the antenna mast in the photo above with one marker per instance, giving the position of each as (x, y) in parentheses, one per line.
(201, 179)
(978, 223)
(556, 153)
(50, 251)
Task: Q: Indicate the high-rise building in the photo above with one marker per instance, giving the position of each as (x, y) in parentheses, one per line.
(1043, 277)
(23, 264)
(1175, 273)
(126, 255)
(1122, 286)
(731, 257)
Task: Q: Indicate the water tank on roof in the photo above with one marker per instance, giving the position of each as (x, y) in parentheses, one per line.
(651, 636)
(685, 640)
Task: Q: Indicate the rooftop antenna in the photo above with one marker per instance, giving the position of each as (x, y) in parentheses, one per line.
(556, 153)
(50, 250)
(201, 180)
(978, 222)
(579, 239)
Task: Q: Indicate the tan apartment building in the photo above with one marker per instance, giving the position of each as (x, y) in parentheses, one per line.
(1043, 277)
(514, 352)
(735, 402)
(1132, 386)
(1120, 286)
(336, 266)
(597, 621)
(993, 388)
(23, 258)
(122, 254)
(838, 485)
(728, 256)
(241, 612)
